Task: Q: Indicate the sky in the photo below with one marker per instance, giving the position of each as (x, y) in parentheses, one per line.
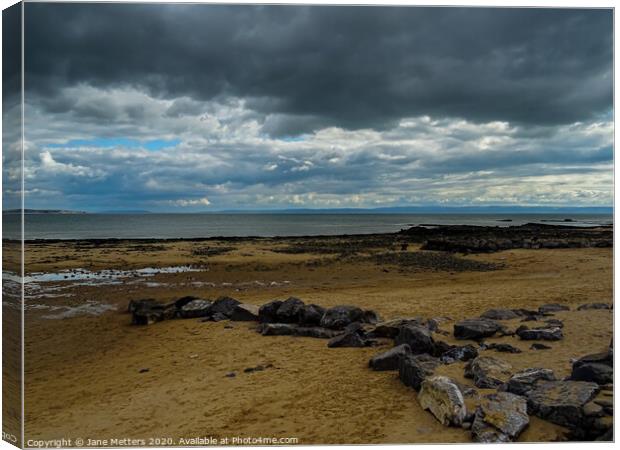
(201, 107)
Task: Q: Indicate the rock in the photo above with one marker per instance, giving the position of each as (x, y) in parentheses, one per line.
(525, 380)
(592, 409)
(278, 329)
(389, 360)
(500, 314)
(196, 308)
(146, 303)
(488, 372)
(268, 313)
(475, 329)
(231, 375)
(311, 314)
(352, 339)
(180, 303)
(504, 348)
(145, 370)
(413, 369)
(539, 346)
(597, 368)
(371, 317)
(561, 402)
(419, 339)
(148, 312)
(215, 317)
(608, 436)
(595, 306)
(339, 317)
(245, 313)
(459, 353)
(316, 332)
(224, 306)
(289, 329)
(500, 417)
(391, 328)
(258, 368)
(554, 323)
(443, 398)
(552, 307)
(539, 334)
(289, 310)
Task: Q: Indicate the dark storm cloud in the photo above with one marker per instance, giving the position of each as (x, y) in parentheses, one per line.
(305, 68)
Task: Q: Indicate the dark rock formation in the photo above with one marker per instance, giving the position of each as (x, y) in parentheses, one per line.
(419, 339)
(525, 380)
(311, 314)
(351, 339)
(595, 306)
(339, 317)
(413, 369)
(196, 308)
(539, 334)
(268, 313)
(597, 368)
(390, 359)
(224, 306)
(500, 314)
(475, 329)
(459, 353)
(552, 307)
(289, 310)
(245, 313)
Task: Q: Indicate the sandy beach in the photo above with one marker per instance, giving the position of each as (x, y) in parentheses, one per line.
(100, 375)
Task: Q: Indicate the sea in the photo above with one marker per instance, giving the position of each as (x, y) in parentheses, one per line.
(171, 226)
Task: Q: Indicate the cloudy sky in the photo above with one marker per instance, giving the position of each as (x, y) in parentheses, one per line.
(203, 107)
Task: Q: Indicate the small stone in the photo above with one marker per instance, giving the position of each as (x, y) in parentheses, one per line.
(488, 372)
(592, 409)
(231, 375)
(552, 307)
(145, 370)
(539, 346)
(443, 398)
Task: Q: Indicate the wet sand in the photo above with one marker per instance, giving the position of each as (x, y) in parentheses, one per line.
(85, 375)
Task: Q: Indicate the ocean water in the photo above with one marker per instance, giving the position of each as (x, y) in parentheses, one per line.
(99, 226)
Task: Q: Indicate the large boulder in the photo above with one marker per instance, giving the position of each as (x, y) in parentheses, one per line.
(148, 312)
(488, 372)
(419, 339)
(552, 307)
(196, 308)
(224, 306)
(289, 310)
(390, 359)
(268, 313)
(413, 369)
(311, 314)
(245, 313)
(443, 398)
(340, 316)
(500, 417)
(597, 368)
(476, 329)
(459, 353)
(500, 314)
(539, 334)
(525, 380)
(562, 402)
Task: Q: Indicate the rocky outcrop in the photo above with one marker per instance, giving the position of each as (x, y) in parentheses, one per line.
(268, 313)
(539, 334)
(443, 398)
(500, 417)
(413, 369)
(488, 372)
(390, 359)
(476, 329)
(525, 380)
(196, 308)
